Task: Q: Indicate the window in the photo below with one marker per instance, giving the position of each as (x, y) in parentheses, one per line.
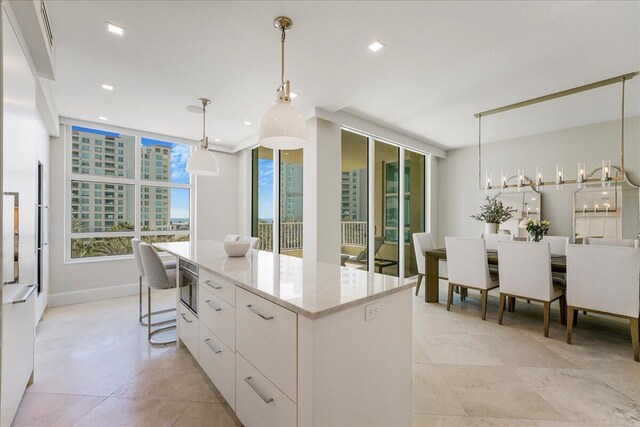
(291, 202)
(262, 197)
(108, 192)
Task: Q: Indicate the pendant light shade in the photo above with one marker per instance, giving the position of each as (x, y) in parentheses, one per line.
(283, 127)
(203, 161)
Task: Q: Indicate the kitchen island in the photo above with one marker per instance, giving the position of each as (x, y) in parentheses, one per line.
(296, 343)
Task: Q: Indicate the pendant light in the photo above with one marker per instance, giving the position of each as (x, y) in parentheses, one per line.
(203, 161)
(283, 127)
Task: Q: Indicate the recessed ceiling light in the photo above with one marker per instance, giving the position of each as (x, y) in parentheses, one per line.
(247, 123)
(376, 46)
(103, 118)
(605, 193)
(216, 140)
(293, 95)
(115, 29)
(107, 87)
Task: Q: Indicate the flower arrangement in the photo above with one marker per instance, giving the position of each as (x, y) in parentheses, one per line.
(536, 228)
(494, 212)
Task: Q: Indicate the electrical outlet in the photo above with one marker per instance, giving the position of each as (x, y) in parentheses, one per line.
(371, 311)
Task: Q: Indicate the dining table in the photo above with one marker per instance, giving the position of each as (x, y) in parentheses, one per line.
(433, 277)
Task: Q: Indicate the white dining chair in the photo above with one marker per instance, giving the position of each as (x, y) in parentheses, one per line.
(525, 272)
(492, 239)
(254, 242)
(168, 265)
(605, 280)
(627, 243)
(231, 238)
(422, 242)
(157, 278)
(557, 244)
(468, 268)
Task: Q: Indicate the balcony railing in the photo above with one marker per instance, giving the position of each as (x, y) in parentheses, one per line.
(354, 233)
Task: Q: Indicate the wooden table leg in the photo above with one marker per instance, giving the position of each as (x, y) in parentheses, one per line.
(431, 290)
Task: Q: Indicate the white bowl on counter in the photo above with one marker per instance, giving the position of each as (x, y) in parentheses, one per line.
(238, 248)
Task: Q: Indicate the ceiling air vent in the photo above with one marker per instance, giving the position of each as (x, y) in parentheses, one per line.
(47, 26)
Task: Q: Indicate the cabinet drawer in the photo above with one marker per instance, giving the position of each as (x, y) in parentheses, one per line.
(266, 337)
(220, 286)
(258, 401)
(217, 315)
(219, 362)
(188, 329)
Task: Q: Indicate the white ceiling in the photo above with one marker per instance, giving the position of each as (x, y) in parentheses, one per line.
(443, 61)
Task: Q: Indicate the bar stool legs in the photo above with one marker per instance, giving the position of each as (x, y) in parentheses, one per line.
(151, 332)
(144, 318)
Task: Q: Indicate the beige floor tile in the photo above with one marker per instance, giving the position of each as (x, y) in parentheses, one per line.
(53, 410)
(207, 415)
(582, 397)
(431, 395)
(119, 411)
(520, 350)
(427, 420)
(456, 349)
(172, 376)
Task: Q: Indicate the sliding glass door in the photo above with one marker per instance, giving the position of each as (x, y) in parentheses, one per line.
(262, 197)
(387, 208)
(354, 202)
(414, 206)
(291, 202)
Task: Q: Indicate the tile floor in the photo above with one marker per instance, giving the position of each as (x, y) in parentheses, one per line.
(94, 368)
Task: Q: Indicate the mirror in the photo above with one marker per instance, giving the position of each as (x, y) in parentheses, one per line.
(610, 210)
(528, 203)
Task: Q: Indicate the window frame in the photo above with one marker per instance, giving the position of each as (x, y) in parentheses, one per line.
(136, 181)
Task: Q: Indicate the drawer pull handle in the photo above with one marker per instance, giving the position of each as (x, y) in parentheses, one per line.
(257, 390)
(211, 346)
(208, 282)
(185, 318)
(264, 316)
(212, 306)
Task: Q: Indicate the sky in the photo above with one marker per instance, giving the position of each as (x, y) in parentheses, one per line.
(265, 188)
(179, 174)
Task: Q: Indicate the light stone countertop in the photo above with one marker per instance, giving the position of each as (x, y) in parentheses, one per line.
(310, 289)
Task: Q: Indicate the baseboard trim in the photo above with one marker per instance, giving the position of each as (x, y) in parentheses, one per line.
(89, 295)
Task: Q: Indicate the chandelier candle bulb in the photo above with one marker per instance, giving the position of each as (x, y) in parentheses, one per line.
(504, 179)
(539, 176)
(581, 172)
(606, 170)
(520, 178)
(488, 177)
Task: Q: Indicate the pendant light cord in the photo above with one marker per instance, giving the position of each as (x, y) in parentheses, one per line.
(204, 124)
(282, 56)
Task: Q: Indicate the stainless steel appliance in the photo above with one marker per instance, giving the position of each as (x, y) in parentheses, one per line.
(188, 281)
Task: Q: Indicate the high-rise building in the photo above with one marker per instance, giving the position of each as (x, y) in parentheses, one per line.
(100, 206)
(354, 195)
(291, 192)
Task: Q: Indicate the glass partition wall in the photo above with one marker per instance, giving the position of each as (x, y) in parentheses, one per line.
(382, 210)
(262, 197)
(291, 202)
(354, 201)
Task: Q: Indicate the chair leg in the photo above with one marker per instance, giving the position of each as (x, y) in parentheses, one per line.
(575, 317)
(483, 294)
(511, 301)
(571, 312)
(563, 310)
(419, 282)
(635, 332)
(547, 312)
(463, 293)
(501, 308)
(149, 311)
(450, 296)
(140, 300)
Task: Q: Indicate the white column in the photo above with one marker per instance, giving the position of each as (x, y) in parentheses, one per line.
(321, 192)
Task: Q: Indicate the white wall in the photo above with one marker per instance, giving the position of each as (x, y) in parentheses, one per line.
(25, 142)
(459, 195)
(80, 281)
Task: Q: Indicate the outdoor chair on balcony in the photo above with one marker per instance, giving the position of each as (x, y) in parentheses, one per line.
(360, 261)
